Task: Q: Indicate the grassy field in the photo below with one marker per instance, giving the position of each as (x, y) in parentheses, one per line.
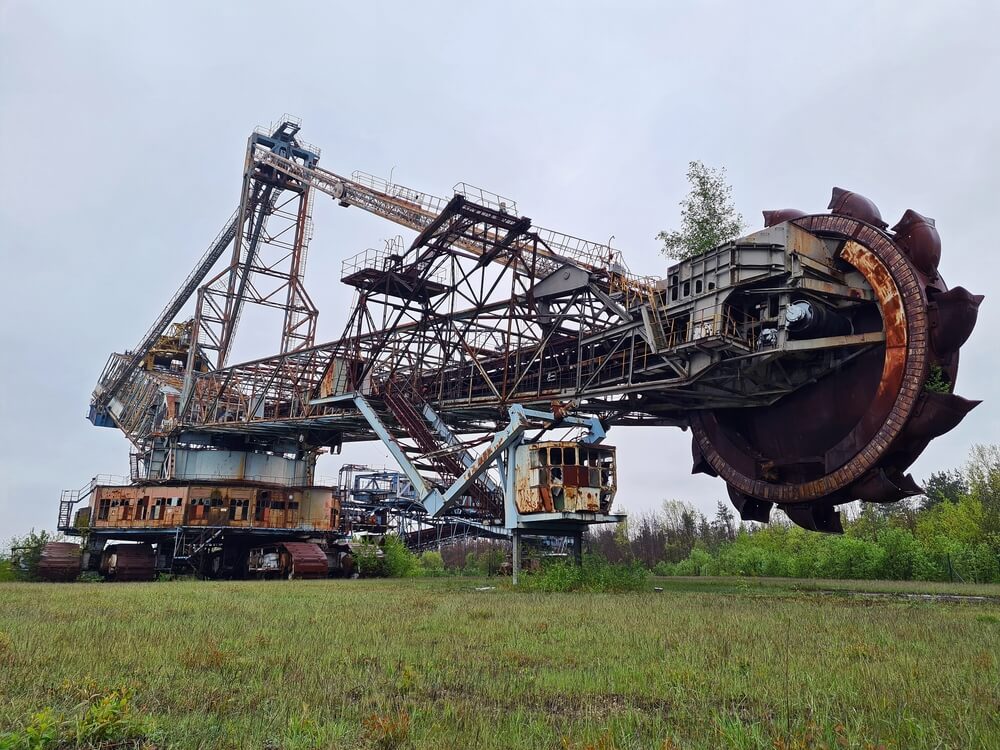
(433, 663)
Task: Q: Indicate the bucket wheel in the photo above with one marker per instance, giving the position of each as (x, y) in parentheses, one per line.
(852, 434)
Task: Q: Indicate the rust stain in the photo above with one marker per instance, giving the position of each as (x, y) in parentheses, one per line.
(566, 476)
(903, 305)
(231, 506)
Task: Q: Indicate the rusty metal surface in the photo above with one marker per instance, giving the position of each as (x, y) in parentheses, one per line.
(60, 561)
(855, 206)
(128, 562)
(771, 218)
(307, 560)
(875, 418)
(919, 239)
(883, 414)
(585, 484)
(243, 505)
(953, 315)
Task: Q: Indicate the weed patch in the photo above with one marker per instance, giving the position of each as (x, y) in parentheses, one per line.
(103, 721)
(594, 575)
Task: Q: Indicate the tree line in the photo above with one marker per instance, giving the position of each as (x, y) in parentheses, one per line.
(951, 532)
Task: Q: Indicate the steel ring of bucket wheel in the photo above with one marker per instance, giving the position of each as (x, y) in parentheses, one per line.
(851, 435)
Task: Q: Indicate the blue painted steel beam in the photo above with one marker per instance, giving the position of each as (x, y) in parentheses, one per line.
(425, 493)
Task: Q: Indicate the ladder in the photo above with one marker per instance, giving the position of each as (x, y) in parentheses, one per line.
(68, 499)
(406, 407)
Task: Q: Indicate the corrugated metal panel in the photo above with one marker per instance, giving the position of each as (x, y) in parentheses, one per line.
(129, 562)
(308, 560)
(60, 561)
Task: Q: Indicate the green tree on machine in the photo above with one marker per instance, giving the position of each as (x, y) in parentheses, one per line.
(708, 216)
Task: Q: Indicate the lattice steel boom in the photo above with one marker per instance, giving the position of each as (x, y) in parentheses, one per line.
(813, 360)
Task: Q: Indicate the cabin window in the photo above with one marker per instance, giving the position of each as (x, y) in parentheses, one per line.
(103, 509)
(711, 285)
(697, 287)
(569, 456)
(556, 456)
(263, 503)
(238, 510)
(687, 288)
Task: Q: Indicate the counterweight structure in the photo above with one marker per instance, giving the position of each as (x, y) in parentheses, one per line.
(813, 361)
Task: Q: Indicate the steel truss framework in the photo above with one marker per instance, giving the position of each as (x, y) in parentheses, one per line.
(461, 321)
(485, 310)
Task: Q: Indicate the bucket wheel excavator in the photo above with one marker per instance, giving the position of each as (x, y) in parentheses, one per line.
(813, 361)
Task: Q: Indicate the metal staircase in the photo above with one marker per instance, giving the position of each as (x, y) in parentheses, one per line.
(189, 545)
(71, 498)
(432, 448)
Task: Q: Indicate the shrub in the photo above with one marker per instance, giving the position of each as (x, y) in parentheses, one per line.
(664, 568)
(695, 564)
(432, 564)
(595, 574)
(391, 559)
(7, 572)
(484, 562)
(399, 561)
(371, 563)
(26, 551)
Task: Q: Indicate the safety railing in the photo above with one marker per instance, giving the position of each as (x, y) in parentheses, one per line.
(486, 198)
(424, 201)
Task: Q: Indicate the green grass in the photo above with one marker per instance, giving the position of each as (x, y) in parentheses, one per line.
(432, 663)
(902, 588)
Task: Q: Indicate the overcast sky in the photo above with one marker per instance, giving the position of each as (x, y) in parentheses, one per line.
(123, 127)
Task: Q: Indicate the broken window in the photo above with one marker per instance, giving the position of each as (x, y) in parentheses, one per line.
(238, 510)
(263, 503)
